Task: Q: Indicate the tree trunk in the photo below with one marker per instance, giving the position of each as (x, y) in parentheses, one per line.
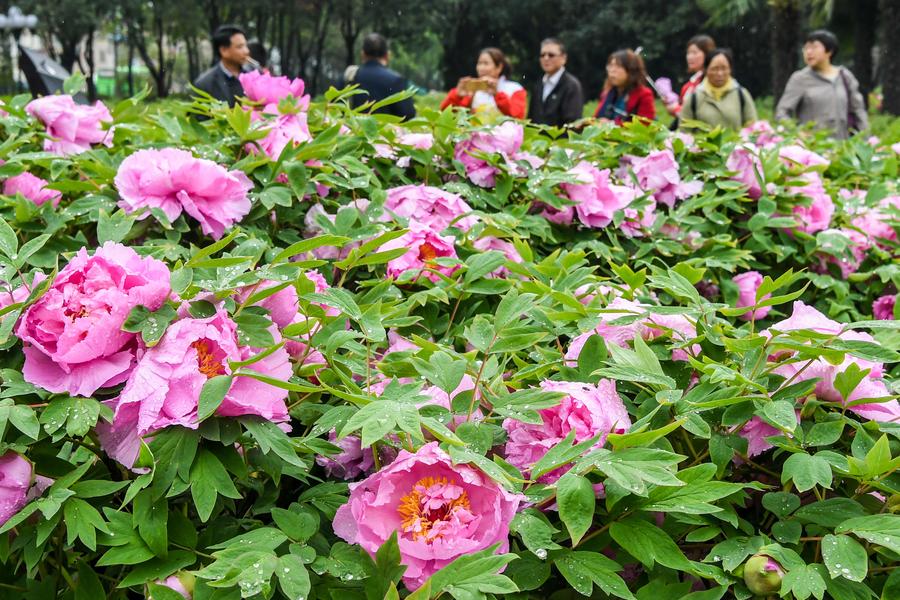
(162, 88)
(890, 56)
(130, 67)
(193, 57)
(69, 53)
(349, 31)
(784, 42)
(864, 39)
(320, 45)
(89, 72)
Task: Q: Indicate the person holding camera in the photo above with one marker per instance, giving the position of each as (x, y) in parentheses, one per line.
(491, 90)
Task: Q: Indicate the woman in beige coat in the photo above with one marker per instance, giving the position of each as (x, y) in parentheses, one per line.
(719, 100)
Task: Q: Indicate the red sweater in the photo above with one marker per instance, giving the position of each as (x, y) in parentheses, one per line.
(638, 104)
(511, 106)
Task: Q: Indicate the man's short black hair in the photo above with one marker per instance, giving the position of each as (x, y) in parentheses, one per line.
(555, 41)
(221, 37)
(375, 45)
(828, 39)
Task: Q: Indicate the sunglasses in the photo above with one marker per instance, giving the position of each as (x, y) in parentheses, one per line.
(549, 55)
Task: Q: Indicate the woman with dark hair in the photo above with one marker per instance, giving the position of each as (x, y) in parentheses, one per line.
(624, 94)
(698, 48)
(491, 90)
(822, 93)
(719, 100)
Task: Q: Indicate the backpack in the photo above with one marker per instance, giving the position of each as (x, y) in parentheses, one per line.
(852, 121)
(741, 100)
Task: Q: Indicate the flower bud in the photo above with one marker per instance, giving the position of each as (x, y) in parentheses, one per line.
(762, 574)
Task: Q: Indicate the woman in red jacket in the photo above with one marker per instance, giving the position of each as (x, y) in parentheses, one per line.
(624, 94)
(491, 90)
(698, 48)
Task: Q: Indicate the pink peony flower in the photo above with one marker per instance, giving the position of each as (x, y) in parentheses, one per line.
(174, 180)
(648, 327)
(762, 131)
(505, 140)
(418, 141)
(560, 216)
(283, 129)
(587, 409)
(755, 432)
(15, 479)
(32, 187)
(164, 388)
(748, 283)
(871, 386)
(431, 206)
(857, 245)
(657, 173)
(797, 155)
(73, 338)
(816, 216)
(269, 89)
(424, 245)
(883, 307)
(351, 462)
(10, 295)
(486, 243)
(876, 222)
(744, 160)
(439, 510)
(72, 127)
(596, 198)
(183, 583)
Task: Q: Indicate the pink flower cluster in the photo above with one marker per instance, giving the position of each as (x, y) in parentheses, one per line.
(72, 336)
(72, 128)
(430, 206)
(657, 173)
(649, 327)
(883, 307)
(173, 181)
(762, 133)
(817, 215)
(747, 283)
(32, 187)
(424, 244)
(744, 161)
(504, 140)
(588, 410)
(15, 479)
(596, 198)
(870, 227)
(439, 510)
(871, 386)
(285, 126)
(164, 387)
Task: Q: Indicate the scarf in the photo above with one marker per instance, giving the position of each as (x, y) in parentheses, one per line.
(717, 92)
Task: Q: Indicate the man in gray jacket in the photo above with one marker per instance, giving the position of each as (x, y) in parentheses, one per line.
(822, 93)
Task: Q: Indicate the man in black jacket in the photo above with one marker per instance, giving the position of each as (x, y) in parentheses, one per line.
(557, 98)
(378, 81)
(221, 81)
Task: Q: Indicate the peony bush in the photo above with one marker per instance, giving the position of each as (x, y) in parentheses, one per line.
(292, 350)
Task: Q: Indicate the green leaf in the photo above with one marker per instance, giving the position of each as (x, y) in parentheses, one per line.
(209, 479)
(536, 532)
(634, 468)
(89, 586)
(299, 526)
(883, 530)
(78, 415)
(806, 471)
(804, 582)
(9, 243)
(781, 504)
(151, 519)
(271, 438)
(583, 570)
(115, 227)
(82, 522)
(825, 433)
(781, 414)
(212, 394)
(648, 543)
(481, 264)
(845, 557)
(576, 497)
(293, 578)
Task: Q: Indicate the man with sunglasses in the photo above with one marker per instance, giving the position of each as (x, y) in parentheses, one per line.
(557, 98)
